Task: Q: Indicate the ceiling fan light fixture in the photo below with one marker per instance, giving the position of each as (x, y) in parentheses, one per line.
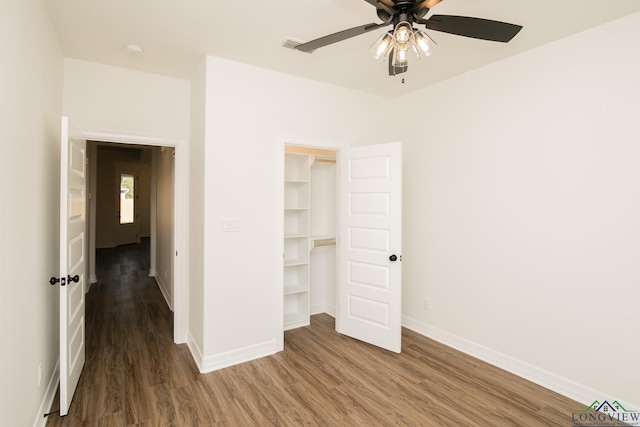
(401, 55)
(381, 47)
(423, 43)
(403, 33)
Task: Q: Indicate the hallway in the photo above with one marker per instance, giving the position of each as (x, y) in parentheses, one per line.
(131, 360)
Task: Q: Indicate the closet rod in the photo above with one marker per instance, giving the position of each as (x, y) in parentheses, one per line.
(296, 149)
(325, 160)
(315, 245)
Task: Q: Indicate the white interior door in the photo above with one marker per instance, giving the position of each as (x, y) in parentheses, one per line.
(72, 260)
(370, 244)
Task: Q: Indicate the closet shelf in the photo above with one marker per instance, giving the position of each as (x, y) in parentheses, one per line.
(294, 262)
(295, 289)
(322, 237)
(297, 204)
(295, 236)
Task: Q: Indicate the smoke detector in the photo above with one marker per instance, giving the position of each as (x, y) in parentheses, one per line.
(134, 49)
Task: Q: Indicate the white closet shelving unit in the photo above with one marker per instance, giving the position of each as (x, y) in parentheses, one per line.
(304, 215)
(296, 240)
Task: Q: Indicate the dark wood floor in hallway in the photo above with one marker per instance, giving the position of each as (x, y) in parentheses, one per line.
(136, 375)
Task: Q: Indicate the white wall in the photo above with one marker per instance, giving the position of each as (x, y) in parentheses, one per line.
(30, 106)
(164, 221)
(196, 212)
(522, 205)
(114, 100)
(247, 108)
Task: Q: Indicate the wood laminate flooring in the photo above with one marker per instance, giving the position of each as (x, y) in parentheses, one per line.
(136, 375)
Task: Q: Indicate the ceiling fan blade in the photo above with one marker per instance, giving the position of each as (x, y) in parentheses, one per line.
(385, 6)
(484, 29)
(338, 37)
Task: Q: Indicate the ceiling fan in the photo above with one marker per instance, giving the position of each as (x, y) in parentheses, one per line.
(403, 38)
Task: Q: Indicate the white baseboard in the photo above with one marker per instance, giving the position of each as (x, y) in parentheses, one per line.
(152, 273)
(323, 308)
(165, 291)
(47, 399)
(93, 279)
(195, 350)
(234, 357)
(568, 388)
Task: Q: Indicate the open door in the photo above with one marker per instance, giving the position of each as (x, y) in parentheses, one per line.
(72, 259)
(370, 244)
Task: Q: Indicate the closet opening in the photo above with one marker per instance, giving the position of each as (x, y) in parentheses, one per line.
(339, 240)
(309, 271)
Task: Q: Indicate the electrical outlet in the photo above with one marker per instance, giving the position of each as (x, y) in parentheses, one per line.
(427, 304)
(40, 374)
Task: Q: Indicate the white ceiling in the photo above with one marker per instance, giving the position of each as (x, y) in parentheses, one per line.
(177, 34)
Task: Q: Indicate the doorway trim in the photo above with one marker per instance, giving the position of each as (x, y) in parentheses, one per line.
(281, 141)
(181, 216)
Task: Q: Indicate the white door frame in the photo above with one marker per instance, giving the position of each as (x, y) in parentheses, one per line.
(180, 218)
(281, 141)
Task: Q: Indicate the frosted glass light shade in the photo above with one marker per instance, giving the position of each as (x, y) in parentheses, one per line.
(423, 43)
(401, 56)
(382, 46)
(403, 33)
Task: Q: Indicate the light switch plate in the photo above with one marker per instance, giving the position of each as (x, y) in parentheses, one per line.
(229, 225)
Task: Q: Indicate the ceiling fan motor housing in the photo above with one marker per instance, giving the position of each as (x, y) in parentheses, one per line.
(401, 11)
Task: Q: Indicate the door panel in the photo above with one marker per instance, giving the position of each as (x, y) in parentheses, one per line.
(72, 262)
(369, 239)
(368, 275)
(370, 230)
